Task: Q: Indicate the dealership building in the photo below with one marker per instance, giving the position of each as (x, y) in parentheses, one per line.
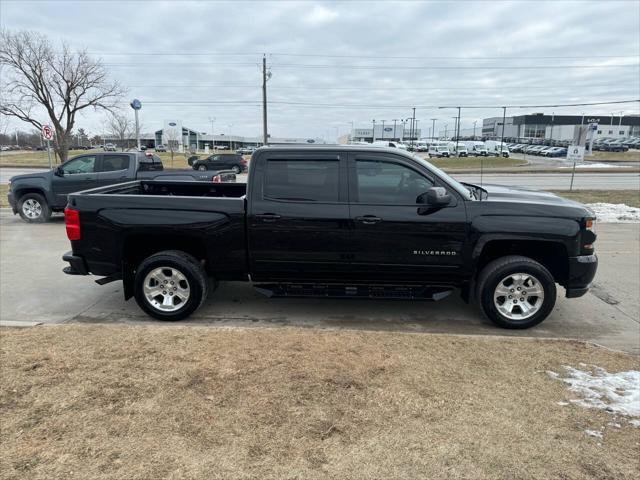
(186, 138)
(390, 132)
(559, 127)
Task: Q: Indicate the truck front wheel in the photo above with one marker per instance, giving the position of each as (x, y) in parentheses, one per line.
(170, 285)
(33, 208)
(516, 292)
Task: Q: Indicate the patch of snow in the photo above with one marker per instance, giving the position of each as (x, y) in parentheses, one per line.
(552, 374)
(613, 392)
(615, 425)
(635, 423)
(593, 433)
(615, 212)
(594, 165)
(562, 404)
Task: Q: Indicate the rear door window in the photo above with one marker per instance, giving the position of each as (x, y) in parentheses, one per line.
(113, 163)
(302, 180)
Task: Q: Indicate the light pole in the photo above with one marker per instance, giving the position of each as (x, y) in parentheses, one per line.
(504, 118)
(394, 128)
(474, 129)
(213, 140)
(445, 130)
(433, 128)
(373, 131)
(383, 129)
(413, 125)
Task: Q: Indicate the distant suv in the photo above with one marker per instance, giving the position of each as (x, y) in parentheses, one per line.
(222, 161)
(160, 148)
(109, 147)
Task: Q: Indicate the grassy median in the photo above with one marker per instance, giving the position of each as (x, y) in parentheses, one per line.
(628, 197)
(113, 402)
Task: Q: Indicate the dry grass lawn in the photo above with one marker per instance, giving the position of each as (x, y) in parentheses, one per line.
(105, 402)
(629, 197)
(628, 156)
(473, 163)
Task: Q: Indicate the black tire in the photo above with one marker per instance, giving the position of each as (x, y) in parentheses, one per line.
(236, 169)
(202, 168)
(495, 271)
(189, 267)
(27, 213)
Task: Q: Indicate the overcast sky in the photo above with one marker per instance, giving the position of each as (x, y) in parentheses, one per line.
(348, 61)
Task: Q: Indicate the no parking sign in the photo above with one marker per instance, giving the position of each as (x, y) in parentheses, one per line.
(47, 132)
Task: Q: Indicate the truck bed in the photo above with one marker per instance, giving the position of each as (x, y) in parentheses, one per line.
(139, 215)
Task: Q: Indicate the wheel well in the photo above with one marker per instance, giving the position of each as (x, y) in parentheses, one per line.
(552, 255)
(23, 191)
(138, 247)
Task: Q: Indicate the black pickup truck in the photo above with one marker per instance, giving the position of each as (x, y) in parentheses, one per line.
(335, 221)
(36, 195)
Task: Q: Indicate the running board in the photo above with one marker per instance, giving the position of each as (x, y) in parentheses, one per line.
(332, 290)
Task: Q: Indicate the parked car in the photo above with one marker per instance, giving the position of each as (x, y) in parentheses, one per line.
(221, 161)
(476, 148)
(459, 150)
(554, 152)
(335, 221)
(160, 148)
(110, 147)
(246, 150)
(436, 150)
(497, 149)
(36, 195)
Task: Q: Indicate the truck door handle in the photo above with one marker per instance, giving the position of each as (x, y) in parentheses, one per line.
(369, 219)
(268, 217)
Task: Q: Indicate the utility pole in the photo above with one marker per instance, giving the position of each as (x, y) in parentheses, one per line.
(373, 131)
(394, 128)
(504, 118)
(458, 131)
(413, 125)
(474, 129)
(265, 135)
(383, 129)
(433, 128)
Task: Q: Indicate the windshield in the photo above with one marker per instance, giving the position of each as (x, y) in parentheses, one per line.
(461, 189)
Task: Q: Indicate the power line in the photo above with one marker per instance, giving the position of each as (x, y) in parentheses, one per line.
(444, 67)
(386, 57)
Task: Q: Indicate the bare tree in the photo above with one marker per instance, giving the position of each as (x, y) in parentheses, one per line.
(62, 83)
(121, 127)
(172, 136)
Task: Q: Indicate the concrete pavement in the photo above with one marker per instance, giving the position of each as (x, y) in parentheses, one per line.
(33, 288)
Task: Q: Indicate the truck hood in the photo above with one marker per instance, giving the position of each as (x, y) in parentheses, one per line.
(42, 174)
(501, 193)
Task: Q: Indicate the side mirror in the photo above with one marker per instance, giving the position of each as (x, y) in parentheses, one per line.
(58, 171)
(434, 197)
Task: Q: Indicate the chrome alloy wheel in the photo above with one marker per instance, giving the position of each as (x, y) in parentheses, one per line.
(166, 289)
(518, 296)
(32, 209)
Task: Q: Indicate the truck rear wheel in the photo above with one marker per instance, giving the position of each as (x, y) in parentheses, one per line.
(516, 292)
(33, 208)
(170, 285)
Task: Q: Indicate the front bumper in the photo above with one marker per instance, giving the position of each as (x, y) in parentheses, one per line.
(12, 202)
(77, 265)
(582, 269)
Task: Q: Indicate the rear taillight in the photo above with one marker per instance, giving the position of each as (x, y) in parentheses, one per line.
(216, 179)
(72, 222)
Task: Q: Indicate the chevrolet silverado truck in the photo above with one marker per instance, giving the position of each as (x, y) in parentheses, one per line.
(36, 195)
(335, 221)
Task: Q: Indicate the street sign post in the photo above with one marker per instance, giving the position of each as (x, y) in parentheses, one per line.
(575, 153)
(47, 134)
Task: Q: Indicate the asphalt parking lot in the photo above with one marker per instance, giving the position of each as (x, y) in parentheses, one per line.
(33, 288)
